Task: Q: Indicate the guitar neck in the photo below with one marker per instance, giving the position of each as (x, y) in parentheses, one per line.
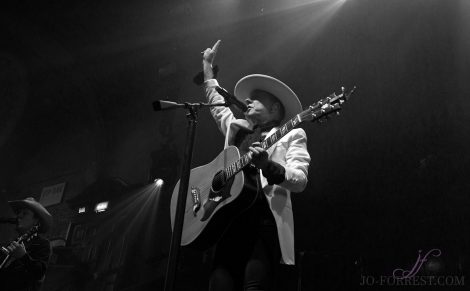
(28, 235)
(244, 160)
(316, 111)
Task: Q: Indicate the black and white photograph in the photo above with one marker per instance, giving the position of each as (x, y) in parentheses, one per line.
(228, 145)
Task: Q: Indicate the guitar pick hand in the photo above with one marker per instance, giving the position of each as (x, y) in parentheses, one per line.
(259, 156)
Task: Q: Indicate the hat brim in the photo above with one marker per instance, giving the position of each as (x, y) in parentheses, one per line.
(44, 216)
(246, 85)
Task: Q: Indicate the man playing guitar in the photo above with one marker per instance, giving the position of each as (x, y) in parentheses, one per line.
(262, 236)
(26, 264)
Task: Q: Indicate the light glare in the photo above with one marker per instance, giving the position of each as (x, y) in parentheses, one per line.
(102, 206)
(158, 182)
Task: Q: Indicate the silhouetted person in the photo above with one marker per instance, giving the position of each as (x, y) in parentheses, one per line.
(27, 265)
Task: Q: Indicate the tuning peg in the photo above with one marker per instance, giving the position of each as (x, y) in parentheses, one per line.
(338, 113)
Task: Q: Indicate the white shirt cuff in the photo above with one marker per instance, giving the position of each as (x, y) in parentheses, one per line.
(211, 83)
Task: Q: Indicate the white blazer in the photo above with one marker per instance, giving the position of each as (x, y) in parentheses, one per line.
(290, 151)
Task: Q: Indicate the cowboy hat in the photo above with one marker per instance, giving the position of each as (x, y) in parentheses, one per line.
(246, 85)
(30, 203)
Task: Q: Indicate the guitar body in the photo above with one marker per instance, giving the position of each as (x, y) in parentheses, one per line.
(202, 228)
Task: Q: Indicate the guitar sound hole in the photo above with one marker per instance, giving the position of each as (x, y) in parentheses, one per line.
(218, 183)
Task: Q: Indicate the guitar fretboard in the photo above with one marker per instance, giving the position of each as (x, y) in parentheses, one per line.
(316, 111)
(244, 160)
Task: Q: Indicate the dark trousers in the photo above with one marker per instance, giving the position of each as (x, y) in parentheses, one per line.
(248, 253)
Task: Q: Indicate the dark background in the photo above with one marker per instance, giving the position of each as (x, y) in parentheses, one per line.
(388, 177)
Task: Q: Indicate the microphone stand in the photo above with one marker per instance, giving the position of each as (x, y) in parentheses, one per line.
(192, 116)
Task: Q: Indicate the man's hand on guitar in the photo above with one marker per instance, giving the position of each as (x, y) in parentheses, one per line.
(259, 156)
(16, 250)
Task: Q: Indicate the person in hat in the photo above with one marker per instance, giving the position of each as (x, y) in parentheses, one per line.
(263, 236)
(27, 265)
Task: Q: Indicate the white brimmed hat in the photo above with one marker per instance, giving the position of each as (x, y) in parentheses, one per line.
(246, 85)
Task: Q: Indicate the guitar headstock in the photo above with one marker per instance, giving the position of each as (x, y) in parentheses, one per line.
(30, 234)
(321, 109)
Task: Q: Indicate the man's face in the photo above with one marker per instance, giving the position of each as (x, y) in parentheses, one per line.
(261, 107)
(26, 219)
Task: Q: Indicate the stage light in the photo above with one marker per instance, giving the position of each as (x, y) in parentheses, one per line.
(102, 206)
(158, 182)
(82, 210)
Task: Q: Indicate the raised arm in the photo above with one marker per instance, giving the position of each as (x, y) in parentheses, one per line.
(222, 115)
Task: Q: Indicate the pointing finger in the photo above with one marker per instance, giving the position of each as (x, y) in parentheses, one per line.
(216, 46)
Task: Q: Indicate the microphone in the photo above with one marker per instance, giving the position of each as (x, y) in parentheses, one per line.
(8, 220)
(161, 105)
(230, 99)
